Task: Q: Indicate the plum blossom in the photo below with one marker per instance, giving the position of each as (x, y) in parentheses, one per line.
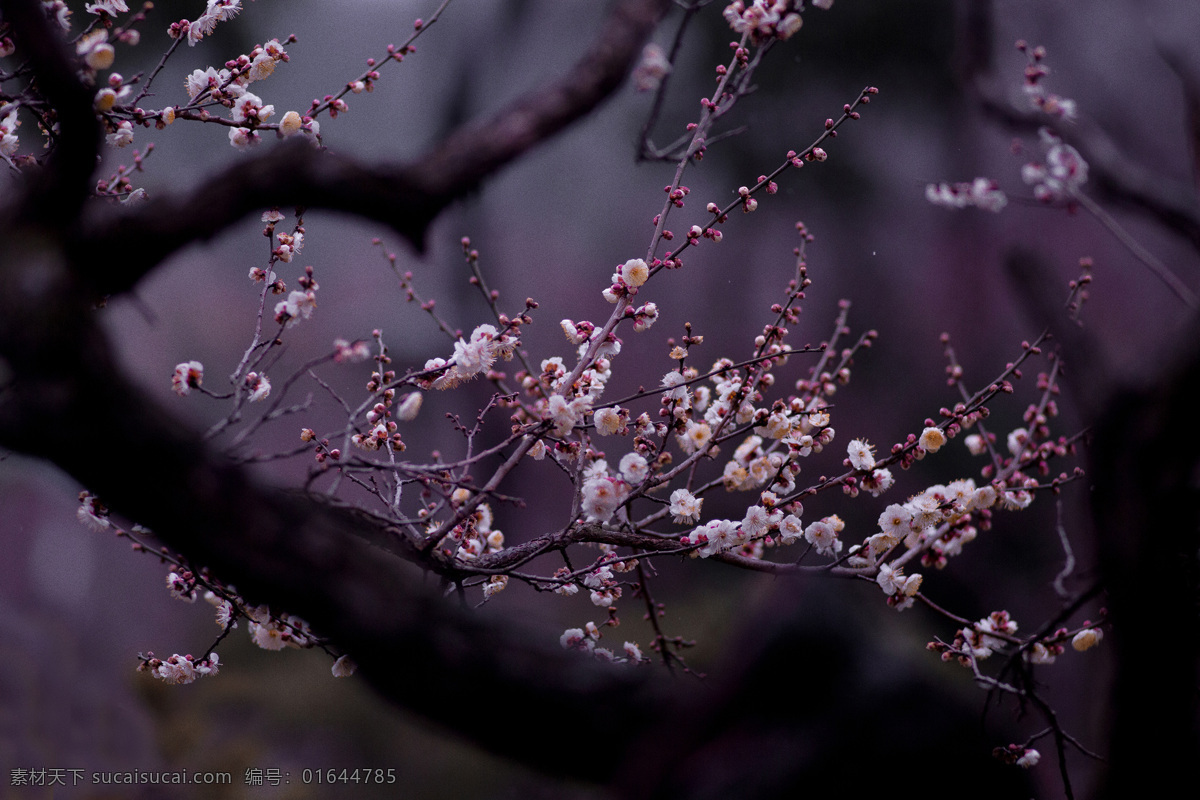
(932, 439)
(122, 136)
(981, 193)
(476, 355)
(601, 496)
(8, 133)
(1087, 638)
(188, 375)
(608, 421)
(653, 67)
(685, 507)
(1063, 174)
(96, 51)
(299, 305)
(633, 272)
(249, 108)
(822, 535)
(860, 454)
(634, 468)
(110, 7)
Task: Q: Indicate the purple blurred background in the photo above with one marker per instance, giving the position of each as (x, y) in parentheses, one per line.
(76, 606)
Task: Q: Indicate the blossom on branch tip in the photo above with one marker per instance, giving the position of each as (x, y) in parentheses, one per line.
(188, 375)
(259, 387)
(91, 512)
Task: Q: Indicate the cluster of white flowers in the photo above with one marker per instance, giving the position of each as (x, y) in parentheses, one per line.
(764, 17)
(228, 87)
(979, 642)
(277, 632)
(9, 143)
(298, 306)
(217, 11)
(474, 536)
(473, 356)
(1062, 174)
(981, 193)
(110, 7)
(602, 493)
(181, 668)
(585, 639)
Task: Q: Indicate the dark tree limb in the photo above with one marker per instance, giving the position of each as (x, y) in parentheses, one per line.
(58, 193)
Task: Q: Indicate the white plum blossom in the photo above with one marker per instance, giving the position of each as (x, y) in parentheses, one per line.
(188, 375)
(249, 108)
(633, 272)
(981, 193)
(344, 667)
(823, 536)
(790, 529)
(97, 53)
(1087, 638)
(242, 138)
(696, 437)
(653, 67)
(572, 637)
(9, 143)
(601, 496)
(932, 439)
(674, 382)
(298, 306)
(111, 7)
(860, 454)
(259, 387)
(475, 356)
(122, 136)
(896, 520)
(685, 507)
(565, 414)
(1017, 440)
(608, 421)
(634, 468)
(1061, 176)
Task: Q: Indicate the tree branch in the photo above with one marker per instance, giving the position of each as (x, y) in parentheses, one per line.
(407, 197)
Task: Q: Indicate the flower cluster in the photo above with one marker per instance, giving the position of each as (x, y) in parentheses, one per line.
(585, 639)
(1061, 175)
(472, 357)
(180, 669)
(980, 193)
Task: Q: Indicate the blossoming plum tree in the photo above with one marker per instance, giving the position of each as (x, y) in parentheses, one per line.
(330, 567)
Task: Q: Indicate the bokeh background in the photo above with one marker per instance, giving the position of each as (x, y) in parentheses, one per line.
(76, 607)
